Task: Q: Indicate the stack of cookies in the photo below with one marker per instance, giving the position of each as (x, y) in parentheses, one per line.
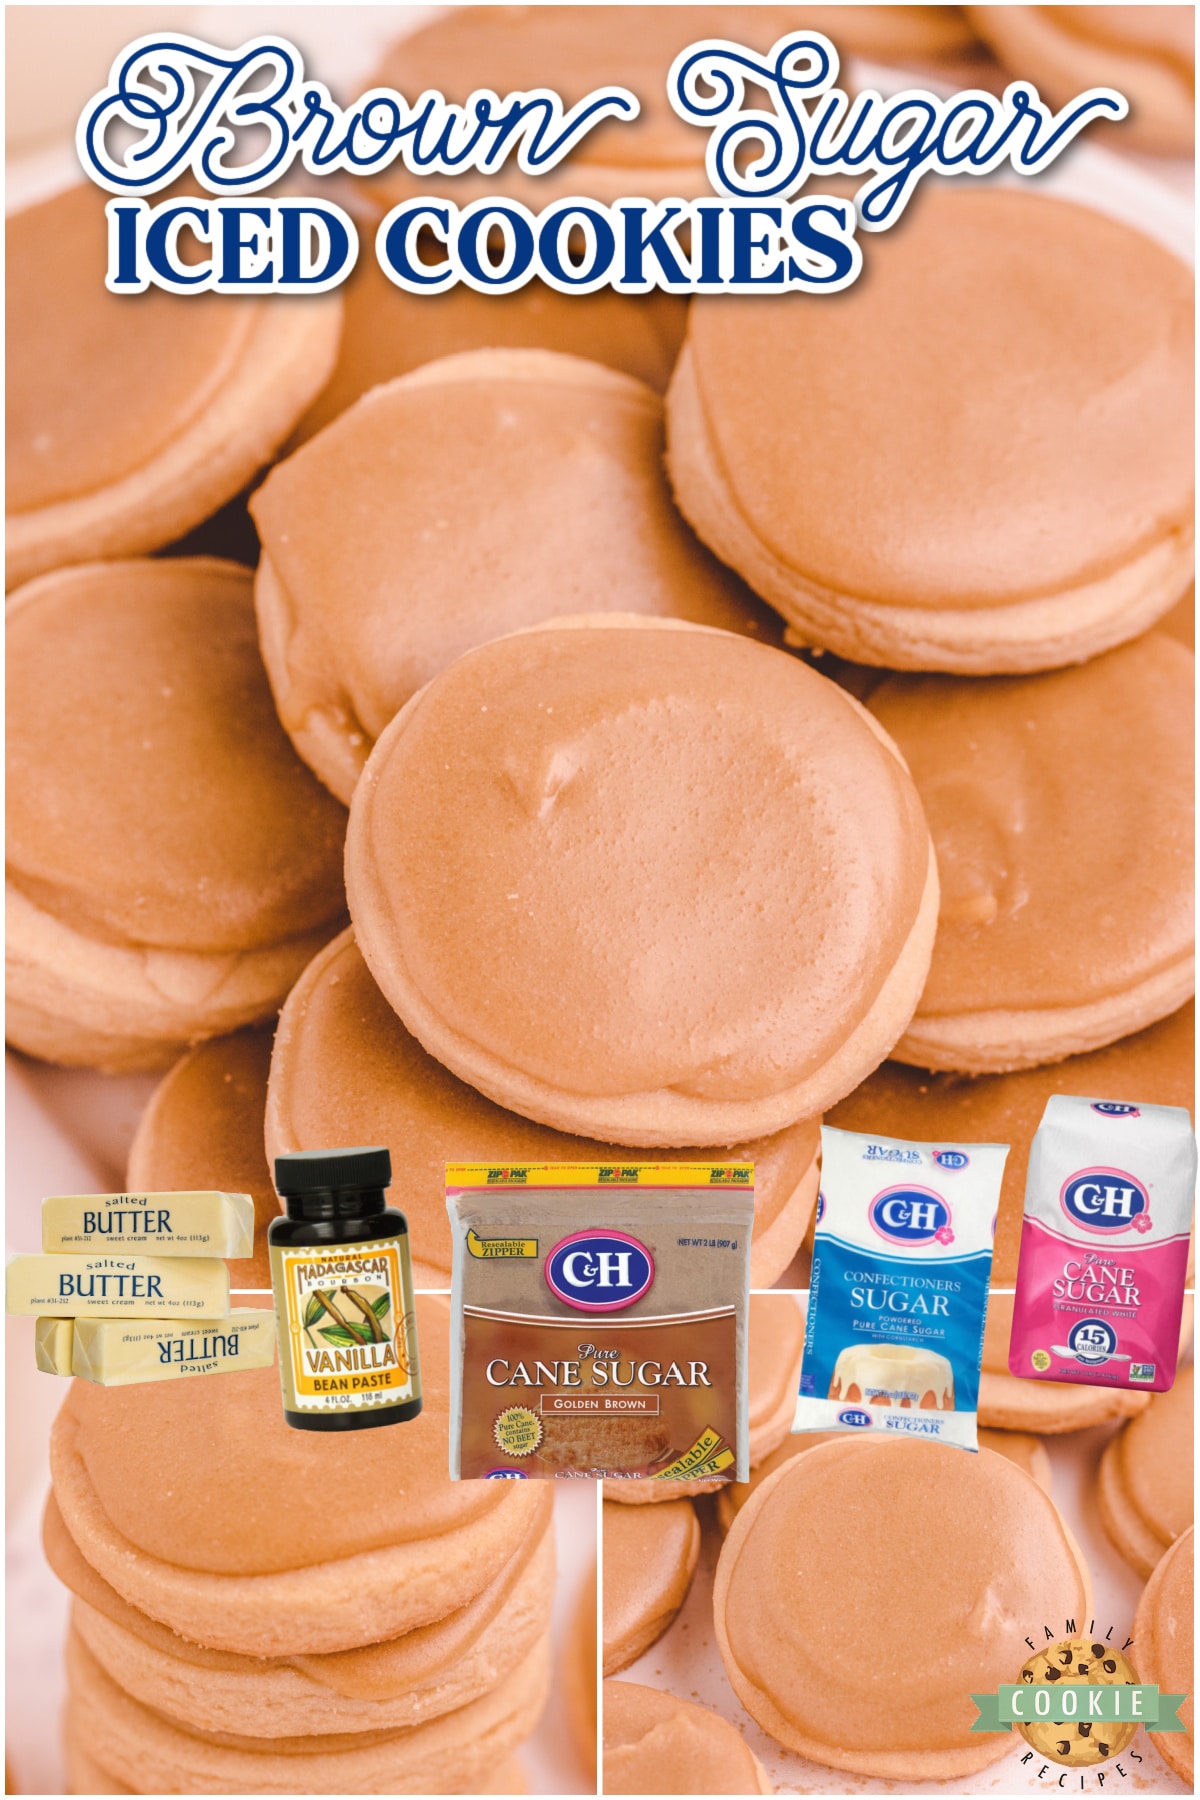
(261, 1610)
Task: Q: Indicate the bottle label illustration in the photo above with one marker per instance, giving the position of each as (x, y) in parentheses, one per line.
(345, 1336)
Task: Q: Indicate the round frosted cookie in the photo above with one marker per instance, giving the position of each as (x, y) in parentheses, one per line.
(489, 491)
(1164, 1645)
(774, 1353)
(203, 1129)
(853, 1639)
(953, 517)
(448, 1754)
(1146, 52)
(1145, 1488)
(172, 866)
(398, 1683)
(683, 889)
(1007, 1402)
(133, 417)
(655, 1743)
(344, 1070)
(387, 332)
(1156, 1065)
(1020, 1447)
(1057, 932)
(205, 1510)
(380, 1685)
(650, 1555)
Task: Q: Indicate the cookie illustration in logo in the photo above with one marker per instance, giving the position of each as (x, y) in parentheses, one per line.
(1080, 1743)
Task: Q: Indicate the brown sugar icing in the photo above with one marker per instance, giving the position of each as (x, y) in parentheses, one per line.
(345, 1070)
(1061, 808)
(1156, 1065)
(206, 1475)
(655, 1743)
(75, 420)
(872, 1674)
(152, 798)
(671, 864)
(1039, 439)
(467, 499)
(204, 1125)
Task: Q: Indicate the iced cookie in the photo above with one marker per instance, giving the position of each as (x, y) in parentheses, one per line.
(1156, 1065)
(1057, 931)
(172, 865)
(387, 332)
(204, 1128)
(683, 889)
(852, 1638)
(133, 417)
(397, 1683)
(451, 1753)
(311, 1566)
(650, 1557)
(152, 897)
(1020, 1447)
(345, 1070)
(959, 515)
(1008, 1403)
(1145, 1488)
(655, 1743)
(489, 491)
(1164, 1645)
(1146, 53)
(776, 1346)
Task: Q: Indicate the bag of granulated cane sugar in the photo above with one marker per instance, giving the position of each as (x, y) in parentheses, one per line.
(599, 1321)
(901, 1264)
(1104, 1244)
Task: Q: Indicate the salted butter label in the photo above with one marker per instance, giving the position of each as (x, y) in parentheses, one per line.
(345, 1330)
(901, 1264)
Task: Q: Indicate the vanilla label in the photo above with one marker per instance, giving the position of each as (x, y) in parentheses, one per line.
(345, 1325)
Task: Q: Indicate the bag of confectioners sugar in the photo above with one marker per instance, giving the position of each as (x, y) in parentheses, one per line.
(1104, 1245)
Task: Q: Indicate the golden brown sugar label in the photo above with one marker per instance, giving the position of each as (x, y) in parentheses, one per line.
(346, 1337)
(600, 1319)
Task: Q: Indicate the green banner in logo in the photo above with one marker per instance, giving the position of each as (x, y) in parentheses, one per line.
(1032, 1704)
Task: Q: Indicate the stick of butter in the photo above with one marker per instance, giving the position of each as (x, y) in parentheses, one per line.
(207, 1224)
(118, 1287)
(120, 1352)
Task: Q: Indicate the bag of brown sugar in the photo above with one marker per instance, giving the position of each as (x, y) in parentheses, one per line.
(600, 1320)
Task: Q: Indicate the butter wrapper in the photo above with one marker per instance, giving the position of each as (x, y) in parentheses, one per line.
(186, 1224)
(901, 1264)
(118, 1287)
(122, 1353)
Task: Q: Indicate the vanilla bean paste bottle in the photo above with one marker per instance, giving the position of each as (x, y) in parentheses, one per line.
(342, 1281)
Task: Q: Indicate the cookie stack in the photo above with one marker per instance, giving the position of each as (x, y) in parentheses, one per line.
(260, 1610)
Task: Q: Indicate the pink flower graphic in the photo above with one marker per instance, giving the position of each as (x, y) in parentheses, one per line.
(1143, 1222)
(944, 1235)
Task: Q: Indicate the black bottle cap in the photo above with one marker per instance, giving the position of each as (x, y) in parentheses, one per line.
(327, 1171)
